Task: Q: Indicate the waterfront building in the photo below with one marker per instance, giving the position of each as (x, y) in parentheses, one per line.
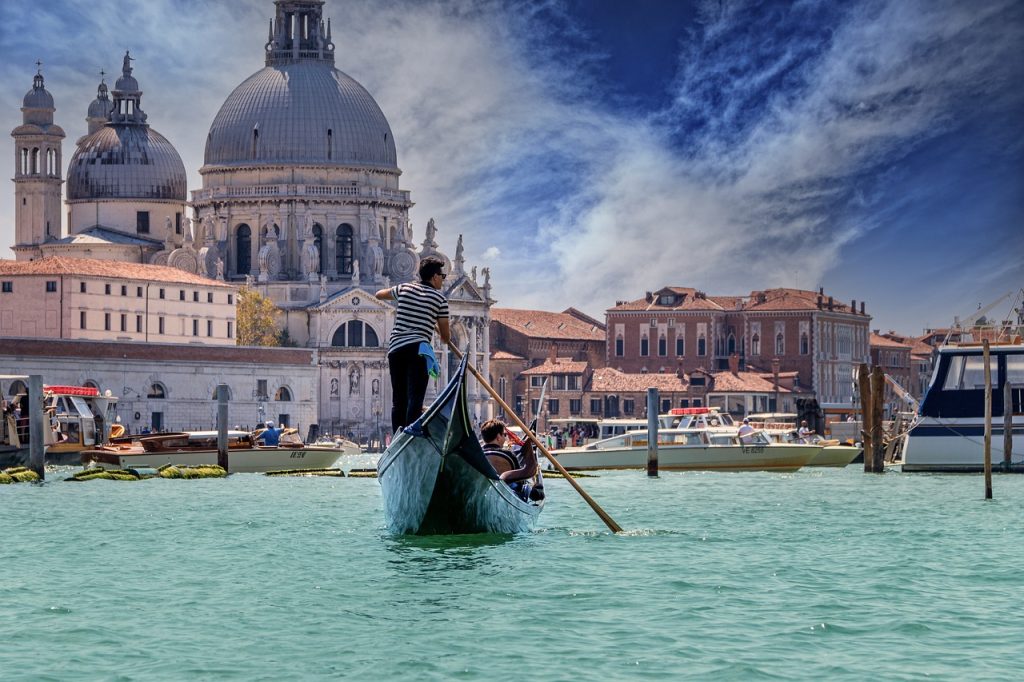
(683, 329)
(173, 387)
(301, 200)
(893, 358)
(921, 361)
(81, 298)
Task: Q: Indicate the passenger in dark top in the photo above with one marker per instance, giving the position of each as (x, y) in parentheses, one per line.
(516, 469)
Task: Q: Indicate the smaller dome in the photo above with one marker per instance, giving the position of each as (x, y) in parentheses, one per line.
(38, 97)
(101, 106)
(126, 162)
(126, 84)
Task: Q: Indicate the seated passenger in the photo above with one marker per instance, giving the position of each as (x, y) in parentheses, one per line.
(515, 469)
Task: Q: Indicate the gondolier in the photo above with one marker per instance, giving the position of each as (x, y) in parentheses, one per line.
(421, 308)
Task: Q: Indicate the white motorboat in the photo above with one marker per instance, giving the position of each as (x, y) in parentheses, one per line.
(192, 448)
(689, 449)
(950, 431)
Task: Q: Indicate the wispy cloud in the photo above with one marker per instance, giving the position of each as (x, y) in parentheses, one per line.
(786, 123)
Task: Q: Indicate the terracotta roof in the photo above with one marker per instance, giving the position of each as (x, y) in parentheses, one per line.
(743, 382)
(505, 355)
(917, 345)
(561, 366)
(689, 302)
(884, 342)
(90, 267)
(542, 324)
(792, 299)
(609, 380)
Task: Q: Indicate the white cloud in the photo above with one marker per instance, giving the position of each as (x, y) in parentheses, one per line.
(492, 253)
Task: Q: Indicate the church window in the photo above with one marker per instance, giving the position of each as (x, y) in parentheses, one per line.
(755, 344)
(35, 161)
(805, 345)
(330, 144)
(255, 141)
(177, 222)
(318, 241)
(283, 395)
(343, 249)
(24, 161)
(243, 250)
(702, 345)
(50, 165)
(142, 222)
(355, 334)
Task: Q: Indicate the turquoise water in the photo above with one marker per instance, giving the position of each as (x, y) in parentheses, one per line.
(821, 574)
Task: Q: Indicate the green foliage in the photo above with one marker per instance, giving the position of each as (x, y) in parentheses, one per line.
(284, 339)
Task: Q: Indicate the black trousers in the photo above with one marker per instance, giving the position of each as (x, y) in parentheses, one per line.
(408, 385)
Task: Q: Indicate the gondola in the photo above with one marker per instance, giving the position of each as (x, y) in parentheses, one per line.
(436, 479)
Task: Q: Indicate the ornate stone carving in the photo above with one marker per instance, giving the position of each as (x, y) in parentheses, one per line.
(310, 260)
(184, 259)
(270, 256)
(159, 258)
(355, 271)
(209, 256)
(403, 264)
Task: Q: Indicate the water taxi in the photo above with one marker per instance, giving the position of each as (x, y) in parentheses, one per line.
(690, 449)
(949, 433)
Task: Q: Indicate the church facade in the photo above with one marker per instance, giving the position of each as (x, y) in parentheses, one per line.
(300, 200)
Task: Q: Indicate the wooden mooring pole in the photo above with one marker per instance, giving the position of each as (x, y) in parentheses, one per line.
(222, 426)
(864, 383)
(877, 406)
(652, 432)
(988, 418)
(36, 423)
(1007, 424)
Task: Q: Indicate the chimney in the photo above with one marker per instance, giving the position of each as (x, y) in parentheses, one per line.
(734, 363)
(830, 304)
(853, 306)
(862, 308)
(649, 296)
(819, 301)
(553, 354)
(821, 291)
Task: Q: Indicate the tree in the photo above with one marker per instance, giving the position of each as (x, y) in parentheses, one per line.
(257, 319)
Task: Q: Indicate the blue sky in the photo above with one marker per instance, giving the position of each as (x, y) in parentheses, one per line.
(591, 150)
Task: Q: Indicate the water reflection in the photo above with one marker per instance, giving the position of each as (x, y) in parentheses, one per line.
(445, 553)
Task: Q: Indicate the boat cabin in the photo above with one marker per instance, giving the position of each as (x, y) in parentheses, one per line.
(696, 418)
(957, 388)
(677, 438)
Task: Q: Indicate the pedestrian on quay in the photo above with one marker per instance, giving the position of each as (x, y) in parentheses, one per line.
(422, 308)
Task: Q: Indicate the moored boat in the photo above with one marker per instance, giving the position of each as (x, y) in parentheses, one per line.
(948, 435)
(435, 478)
(193, 448)
(690, 449)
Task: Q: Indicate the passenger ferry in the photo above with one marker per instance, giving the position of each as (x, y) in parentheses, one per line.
(950, 432)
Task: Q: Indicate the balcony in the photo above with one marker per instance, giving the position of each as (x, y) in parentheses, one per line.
(289, 191)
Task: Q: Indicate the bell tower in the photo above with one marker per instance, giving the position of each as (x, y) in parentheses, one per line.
(37, 173)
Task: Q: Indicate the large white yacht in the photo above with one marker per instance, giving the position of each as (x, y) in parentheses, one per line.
(949, 435)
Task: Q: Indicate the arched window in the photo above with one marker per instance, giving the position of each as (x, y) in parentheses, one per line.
(255, 141)
(243, 248)
(755, 344)
(50, 163)
(355, 334)
(157, 391)
(780, 344)
(619, 346)
(24, 161)
(214, 396)
(702, 345)
(730, 345)
(318, 241)
(805, 344)
(343, 249)
(35, 161)
(283, 395)
(17, 387)
(330, 144)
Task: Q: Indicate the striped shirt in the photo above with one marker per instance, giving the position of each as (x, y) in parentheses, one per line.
(419, 308)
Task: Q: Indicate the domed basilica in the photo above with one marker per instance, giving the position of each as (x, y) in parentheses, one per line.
(300, 200)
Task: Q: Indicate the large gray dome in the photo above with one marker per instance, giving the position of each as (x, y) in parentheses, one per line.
(126, 162)
(305, 112)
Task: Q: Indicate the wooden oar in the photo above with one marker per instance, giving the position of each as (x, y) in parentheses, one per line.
(608, 521)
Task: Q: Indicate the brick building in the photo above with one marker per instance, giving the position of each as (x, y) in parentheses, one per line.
(683, 329)
(894, 359)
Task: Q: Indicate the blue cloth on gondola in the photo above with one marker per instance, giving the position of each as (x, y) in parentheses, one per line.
(427, 351)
